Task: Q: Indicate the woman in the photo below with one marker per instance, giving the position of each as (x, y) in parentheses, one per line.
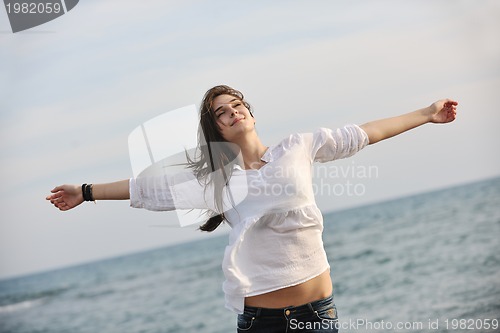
(277, 273)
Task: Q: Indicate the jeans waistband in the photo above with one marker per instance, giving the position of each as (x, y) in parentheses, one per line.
(290, 310)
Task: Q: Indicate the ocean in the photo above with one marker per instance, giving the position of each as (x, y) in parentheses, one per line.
(425, 263)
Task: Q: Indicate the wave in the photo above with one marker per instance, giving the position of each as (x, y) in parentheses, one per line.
(21, 305)
(12, 303)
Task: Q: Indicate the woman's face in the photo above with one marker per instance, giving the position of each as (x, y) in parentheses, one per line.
(233, 118)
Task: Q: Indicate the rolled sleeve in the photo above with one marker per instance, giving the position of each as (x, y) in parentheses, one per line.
(169, 192)
(151, 193)
(329, 144)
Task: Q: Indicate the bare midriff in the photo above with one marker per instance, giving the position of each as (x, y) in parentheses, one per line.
(303, 293)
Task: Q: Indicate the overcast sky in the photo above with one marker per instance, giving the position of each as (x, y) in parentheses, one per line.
(73, 90)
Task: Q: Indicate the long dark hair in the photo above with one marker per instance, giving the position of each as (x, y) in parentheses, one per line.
(212, 162)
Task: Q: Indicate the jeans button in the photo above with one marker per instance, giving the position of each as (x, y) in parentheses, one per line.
(287, 312)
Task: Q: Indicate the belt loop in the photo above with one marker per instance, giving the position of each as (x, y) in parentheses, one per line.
(257, 314)
(309, 305)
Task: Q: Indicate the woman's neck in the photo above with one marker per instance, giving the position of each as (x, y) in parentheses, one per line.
(252, 150)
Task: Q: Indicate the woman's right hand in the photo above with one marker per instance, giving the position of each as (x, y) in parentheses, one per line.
(66, 197)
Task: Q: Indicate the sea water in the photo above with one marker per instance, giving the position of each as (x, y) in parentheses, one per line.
(425, 263)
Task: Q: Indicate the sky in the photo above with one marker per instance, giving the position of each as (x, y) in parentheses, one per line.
(73, 90)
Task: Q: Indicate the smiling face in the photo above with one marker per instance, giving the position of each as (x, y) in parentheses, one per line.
(232, 117)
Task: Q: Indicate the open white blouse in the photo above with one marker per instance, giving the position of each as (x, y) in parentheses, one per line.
(275, 240)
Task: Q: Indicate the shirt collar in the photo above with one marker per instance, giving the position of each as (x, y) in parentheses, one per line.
(267, 157)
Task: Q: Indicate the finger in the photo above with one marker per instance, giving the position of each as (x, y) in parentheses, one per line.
(60, 205)
(54, 196)
(57, 189)
(57, 200)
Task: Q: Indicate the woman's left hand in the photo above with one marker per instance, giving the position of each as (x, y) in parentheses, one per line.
(443, 111)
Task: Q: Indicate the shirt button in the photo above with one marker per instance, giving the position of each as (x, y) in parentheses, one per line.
(287, 312)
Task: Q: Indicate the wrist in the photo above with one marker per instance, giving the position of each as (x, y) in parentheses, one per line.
(78, 191)
(427, 114)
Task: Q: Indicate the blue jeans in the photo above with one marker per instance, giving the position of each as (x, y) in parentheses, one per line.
(316, 317)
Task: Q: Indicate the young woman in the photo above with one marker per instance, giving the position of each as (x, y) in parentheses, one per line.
(277, 273)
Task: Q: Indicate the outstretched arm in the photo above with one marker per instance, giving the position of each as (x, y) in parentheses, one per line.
(443, 111)
(66, 197)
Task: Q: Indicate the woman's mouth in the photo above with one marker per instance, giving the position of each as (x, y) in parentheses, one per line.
(236, 121)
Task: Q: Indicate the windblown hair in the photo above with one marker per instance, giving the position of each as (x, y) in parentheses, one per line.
(212, 163)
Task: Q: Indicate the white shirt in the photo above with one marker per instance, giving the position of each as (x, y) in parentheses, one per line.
(275, 239)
